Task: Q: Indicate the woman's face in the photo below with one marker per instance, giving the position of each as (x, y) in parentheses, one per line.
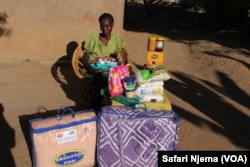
(106, 27)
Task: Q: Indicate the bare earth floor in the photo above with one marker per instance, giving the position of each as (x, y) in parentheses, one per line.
(209, 89)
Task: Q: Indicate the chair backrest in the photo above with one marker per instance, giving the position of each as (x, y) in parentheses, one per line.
(123, 56)
(78, 65)
(77, 62)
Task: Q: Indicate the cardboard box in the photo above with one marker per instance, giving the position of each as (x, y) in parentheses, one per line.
(154, 58)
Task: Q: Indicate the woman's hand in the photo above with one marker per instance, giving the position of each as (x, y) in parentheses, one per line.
(113, 55)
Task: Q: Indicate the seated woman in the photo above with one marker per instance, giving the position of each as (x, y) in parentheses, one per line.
(101, 44)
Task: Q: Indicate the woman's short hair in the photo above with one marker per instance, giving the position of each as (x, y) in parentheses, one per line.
(106, 16)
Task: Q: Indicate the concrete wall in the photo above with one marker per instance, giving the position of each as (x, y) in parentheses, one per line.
(41, 30)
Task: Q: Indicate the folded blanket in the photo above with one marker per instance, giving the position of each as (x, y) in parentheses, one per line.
(141, 139)
(64, 140)
(132, 137)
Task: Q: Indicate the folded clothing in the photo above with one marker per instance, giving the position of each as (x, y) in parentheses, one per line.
(103, 63)
(103, 66)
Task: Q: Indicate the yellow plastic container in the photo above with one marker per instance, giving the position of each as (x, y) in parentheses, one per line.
(151, 43)
(130, 93)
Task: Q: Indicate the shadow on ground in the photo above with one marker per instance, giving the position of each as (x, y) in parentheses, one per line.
(177, 23)
(81, 91)
(78, 90)
(208, 99)
(185, 23)
(7, 141)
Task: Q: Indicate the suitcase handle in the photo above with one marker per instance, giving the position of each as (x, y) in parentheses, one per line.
(65, 109)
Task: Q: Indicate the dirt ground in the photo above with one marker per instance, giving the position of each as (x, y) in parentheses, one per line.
(209, 87)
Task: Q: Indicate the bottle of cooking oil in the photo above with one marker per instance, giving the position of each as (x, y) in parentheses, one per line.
(152, 43)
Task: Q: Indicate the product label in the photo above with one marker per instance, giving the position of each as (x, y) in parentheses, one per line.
(69, 157)
(149, 91)
(66, 136)
(159, 45)
(154, 56)
(158, 91)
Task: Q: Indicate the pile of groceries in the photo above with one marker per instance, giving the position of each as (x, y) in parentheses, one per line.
(127, 87)
(150, 83)
(146, 85)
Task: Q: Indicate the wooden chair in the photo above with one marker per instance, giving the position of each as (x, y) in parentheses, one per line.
(89, 92)
(76, 62)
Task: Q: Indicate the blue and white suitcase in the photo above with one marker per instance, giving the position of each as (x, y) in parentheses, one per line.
(133, 136)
